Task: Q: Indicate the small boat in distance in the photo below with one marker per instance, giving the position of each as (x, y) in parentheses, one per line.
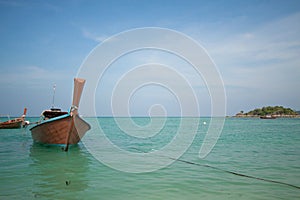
(59, 127)
(268, 117)
(15, 123)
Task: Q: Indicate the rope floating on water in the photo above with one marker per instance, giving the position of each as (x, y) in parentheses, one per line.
(230, 172)
(237, 174)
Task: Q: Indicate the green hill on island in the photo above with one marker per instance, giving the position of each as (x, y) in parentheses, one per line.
(277, 111)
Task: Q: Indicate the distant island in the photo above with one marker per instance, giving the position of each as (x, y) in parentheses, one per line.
(274, 111)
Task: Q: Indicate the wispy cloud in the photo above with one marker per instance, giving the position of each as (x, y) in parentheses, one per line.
(275, 46)
(29, 77)
(32, 4)
(90, 35)
(262, 60)
(12, 3)
(31, 86)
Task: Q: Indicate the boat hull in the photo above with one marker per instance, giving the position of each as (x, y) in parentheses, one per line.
(15, 123)
(267, 117)
(65, 129)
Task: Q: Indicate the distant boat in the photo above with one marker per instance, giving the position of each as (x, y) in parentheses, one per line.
(268, 117)
(15, 123)
(59, 127)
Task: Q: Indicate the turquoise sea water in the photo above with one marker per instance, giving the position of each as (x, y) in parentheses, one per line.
(268, 149)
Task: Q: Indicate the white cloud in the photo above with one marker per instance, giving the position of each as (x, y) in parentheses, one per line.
(274, 40)
(260, 66)
(11, 3)
(275, 46)
(252, 63)
(90, 35)
(31, 87)
(30, 77)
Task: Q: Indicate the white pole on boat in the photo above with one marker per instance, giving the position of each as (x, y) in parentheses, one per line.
(54, 87)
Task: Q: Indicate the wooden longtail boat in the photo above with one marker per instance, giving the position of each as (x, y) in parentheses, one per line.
(15, 123)
(64, 127)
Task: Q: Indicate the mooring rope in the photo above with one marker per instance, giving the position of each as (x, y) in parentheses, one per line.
(236, 173)
(227, 171)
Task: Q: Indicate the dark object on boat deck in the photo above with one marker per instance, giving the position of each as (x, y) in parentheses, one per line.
(53, 112)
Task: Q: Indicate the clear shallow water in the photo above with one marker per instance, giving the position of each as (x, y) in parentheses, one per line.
(267, 149)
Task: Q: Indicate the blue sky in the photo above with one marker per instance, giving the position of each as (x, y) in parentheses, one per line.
(254, 44)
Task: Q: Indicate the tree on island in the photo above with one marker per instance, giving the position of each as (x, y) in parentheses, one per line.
(269, 110)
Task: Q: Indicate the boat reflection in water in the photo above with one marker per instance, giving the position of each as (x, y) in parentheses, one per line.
(57, 174)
